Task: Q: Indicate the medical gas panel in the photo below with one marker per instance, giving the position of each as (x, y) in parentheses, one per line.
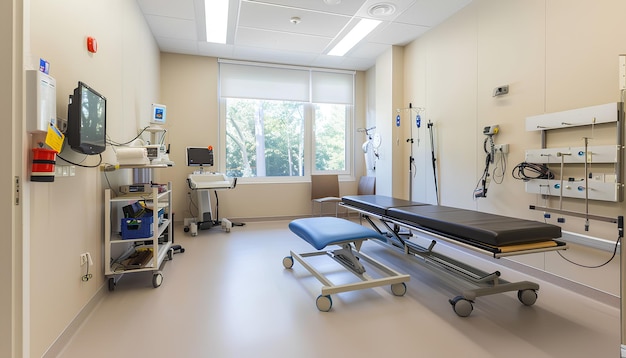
(584, 170)
(41, 108)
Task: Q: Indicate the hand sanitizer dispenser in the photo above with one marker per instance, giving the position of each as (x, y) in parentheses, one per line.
(41, 101)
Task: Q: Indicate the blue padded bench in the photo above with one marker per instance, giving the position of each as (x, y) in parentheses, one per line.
(321, 232)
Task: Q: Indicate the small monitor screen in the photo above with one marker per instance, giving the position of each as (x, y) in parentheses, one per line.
(159, 112)
(200, 156)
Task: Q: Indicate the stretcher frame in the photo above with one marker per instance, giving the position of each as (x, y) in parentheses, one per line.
(324, 303)
(485, 283)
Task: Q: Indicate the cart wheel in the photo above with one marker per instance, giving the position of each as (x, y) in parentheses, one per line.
(324, 303)
(527, 297)
(170, 254)
(182, 250)
(398, 289)
(186, 229)
(111, 283)
(157, 279)
(461, 306)
(288, 262)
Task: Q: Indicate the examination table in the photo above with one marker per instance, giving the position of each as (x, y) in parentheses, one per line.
(494, 235)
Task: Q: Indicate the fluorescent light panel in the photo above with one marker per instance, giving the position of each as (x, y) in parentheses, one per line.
(216, 17)
(362, 29)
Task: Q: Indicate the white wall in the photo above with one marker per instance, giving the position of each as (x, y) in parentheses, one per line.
(551, 63)
(66, 217)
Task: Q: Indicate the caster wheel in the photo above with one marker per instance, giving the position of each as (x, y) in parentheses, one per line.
(398, 289)
(461, 306)
(182, 250)
(324, 303)
(170, 254)
(157, 279)
(288, 262)
(527, 297)
(186, 229)
(111, 283)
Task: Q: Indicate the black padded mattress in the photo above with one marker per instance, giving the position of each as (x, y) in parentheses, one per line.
(377, 204)
(468, 225)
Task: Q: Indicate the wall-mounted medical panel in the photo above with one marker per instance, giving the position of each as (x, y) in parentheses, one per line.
(574, 155)
(598, 190)
(604, 113)
(41, 101)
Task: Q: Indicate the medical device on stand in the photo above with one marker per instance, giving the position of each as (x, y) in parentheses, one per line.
(491, 150)
(202, 183)
(418, 122)
(370, 147)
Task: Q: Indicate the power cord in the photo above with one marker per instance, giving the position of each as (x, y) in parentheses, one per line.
(596, 266)
(527, 171)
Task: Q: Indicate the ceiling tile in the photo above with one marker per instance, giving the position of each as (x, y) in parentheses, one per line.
(281, 40)
(277, 18)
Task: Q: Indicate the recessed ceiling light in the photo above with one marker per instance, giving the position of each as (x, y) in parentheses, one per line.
(216, 17)
(362, 29)
(381, 10)
(295, 20)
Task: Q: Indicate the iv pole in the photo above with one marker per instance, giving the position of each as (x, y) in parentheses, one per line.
(434, 159)
(410, 140)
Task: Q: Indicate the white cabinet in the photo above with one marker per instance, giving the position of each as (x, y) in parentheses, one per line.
(132, 255)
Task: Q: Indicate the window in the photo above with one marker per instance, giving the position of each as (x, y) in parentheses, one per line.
(284, 122)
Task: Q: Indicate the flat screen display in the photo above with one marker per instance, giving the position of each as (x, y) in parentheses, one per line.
(200, 156)
(159, 113)
(87, 120)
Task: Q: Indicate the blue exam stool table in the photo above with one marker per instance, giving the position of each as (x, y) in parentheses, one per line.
(321, 232)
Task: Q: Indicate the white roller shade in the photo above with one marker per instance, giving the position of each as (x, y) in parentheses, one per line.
(287, 83)
(245, 81)
(331, 87)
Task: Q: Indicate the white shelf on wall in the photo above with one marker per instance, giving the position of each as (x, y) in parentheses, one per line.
(597, 154)
(598, 190)
(604, 113)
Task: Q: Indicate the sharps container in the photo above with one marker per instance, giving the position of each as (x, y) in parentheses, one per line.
(43, 165)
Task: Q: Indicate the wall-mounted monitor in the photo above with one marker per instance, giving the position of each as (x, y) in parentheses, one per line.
(159, 112)
(86, 120)
(200, 156)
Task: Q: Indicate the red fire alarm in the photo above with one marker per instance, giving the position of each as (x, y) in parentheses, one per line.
(92, 45)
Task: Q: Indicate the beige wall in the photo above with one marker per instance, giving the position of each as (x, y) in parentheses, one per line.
(189, 89)
(11, 303)
(66, 217)
(551, 63)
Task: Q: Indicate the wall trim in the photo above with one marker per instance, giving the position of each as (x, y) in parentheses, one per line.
(68, 333)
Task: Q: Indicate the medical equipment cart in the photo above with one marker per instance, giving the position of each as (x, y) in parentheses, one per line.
(154, 247)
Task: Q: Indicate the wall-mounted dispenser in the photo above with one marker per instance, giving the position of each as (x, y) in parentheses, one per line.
(41, 102)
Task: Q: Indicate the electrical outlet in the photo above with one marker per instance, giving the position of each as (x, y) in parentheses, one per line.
(504, 148)
(84, 258)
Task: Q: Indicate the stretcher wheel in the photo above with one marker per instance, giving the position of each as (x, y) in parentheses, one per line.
(324, 303)
(398, 289)
(461, 306)
(111, 283)
(157, 279)
(527, 297)
(288, 262)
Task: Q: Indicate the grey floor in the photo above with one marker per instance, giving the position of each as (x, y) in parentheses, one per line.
(228, 295)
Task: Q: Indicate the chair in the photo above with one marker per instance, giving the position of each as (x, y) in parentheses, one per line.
(367, 186)
(324, 189)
